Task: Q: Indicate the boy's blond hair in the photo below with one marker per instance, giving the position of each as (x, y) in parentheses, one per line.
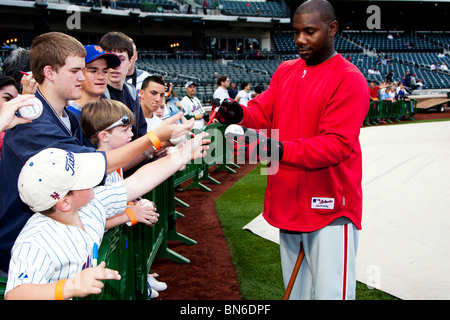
(52, 49)
(99, 115)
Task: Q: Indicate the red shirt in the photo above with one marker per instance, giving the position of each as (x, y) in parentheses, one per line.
(374, 92)
(318, 111)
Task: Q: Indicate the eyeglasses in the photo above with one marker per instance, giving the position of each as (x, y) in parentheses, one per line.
(124, 121)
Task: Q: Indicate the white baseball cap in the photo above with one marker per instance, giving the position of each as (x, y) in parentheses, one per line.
(190, 83)
(50, 174)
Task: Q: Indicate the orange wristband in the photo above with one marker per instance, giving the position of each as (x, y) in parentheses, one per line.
(131, 215)
(154, 139)
(59, 288)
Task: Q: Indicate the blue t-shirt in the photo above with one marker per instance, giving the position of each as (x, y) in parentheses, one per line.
(172, 108)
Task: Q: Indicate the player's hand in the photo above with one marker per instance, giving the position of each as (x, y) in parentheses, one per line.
(88, 281)
(230, 112)
(253, 145)
(168, 129)
(215, 102)
(8, 118)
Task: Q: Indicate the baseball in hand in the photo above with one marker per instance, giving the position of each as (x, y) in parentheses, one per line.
(145, 203)
(33, 110)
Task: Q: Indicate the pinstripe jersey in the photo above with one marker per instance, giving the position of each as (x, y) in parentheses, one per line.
(114, 177)
(46, 251)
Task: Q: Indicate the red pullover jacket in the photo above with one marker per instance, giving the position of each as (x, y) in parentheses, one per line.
(318, 111)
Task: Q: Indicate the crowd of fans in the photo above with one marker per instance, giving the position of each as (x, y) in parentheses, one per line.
(89, 107)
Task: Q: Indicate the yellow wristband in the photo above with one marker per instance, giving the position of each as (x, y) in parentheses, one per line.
(131, 215)
(154, 140)
(59, 288)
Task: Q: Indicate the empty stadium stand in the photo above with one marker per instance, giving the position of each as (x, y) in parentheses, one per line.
(440, 38)
(252, 8)
(400, 42)
(284, 43)
(402, 62)
(414, 51)
(358, 47)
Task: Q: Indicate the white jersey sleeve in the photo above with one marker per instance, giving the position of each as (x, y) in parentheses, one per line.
(23, 268)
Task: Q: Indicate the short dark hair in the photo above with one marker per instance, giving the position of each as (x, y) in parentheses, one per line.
(221, 79)
(326, 10)
(117, 41)
(8, 81)
(149, 79)
(244, 84)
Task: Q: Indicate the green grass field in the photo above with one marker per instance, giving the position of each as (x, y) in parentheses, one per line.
(257, 260)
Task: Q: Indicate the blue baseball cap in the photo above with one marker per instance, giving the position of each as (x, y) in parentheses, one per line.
(93, 52)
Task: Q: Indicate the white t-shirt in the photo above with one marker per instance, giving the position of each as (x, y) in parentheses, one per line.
(47, 251)
(244, 97)
(221, 93)
(193, 107)
(153, 122)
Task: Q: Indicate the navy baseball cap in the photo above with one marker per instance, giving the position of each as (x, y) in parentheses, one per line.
(93, 52)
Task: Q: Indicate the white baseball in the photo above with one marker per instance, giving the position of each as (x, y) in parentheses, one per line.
(145, 203)
(142, 203)
(32, 111)
(234, 129)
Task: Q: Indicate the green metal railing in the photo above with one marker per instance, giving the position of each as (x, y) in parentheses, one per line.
(390, 112)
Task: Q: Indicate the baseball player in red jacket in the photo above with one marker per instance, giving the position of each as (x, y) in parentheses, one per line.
(317, 105)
